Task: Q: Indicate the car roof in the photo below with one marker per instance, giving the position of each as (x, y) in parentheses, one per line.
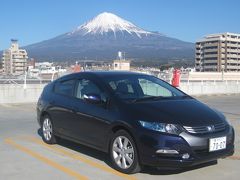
(110, 73)
(101, 74)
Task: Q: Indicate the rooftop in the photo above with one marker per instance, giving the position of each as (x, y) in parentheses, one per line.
(219, 36)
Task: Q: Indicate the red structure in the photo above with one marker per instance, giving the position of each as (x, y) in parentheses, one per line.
(176, 77)
(77, 67)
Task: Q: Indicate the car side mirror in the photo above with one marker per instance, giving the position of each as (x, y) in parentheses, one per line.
(93, 98)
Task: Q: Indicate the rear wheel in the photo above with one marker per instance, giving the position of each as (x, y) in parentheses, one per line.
(123, 153)
(47, 130)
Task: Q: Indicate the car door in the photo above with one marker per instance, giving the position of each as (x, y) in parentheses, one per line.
(92, 121)
(61, 109)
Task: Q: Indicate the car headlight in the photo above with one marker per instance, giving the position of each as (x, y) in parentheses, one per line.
(161, 127)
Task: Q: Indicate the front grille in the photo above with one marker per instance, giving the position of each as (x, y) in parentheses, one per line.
(206, 129)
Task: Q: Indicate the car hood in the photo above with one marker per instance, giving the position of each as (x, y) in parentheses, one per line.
(185, 112)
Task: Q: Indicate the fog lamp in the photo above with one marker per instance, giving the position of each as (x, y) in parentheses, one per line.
(186, 156)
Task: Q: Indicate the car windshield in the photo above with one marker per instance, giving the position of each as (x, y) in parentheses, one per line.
(136, 88)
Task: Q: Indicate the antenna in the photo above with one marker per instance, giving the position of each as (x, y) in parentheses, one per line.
(120, 55)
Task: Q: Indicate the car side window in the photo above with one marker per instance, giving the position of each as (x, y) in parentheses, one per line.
(123, 86)
(86, 87)
(150, 88)
(65, 87)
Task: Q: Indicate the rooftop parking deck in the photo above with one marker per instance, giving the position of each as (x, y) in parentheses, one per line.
(23, 155)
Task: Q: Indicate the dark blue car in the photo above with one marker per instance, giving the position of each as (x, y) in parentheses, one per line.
(138, 119)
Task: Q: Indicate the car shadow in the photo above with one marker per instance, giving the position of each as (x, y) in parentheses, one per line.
(82, 149)
(105, 158)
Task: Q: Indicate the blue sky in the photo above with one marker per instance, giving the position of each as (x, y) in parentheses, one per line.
(32, 21)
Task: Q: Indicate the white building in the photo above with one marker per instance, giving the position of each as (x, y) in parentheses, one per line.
(44, 66)
(218, 52)
(45, 70)
(14, 60)
(123, 65)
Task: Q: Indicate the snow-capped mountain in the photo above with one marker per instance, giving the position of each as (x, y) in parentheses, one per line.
(106, 34)
(108, 22)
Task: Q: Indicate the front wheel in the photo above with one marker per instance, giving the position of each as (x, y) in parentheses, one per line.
(123, 153)
(47, 131)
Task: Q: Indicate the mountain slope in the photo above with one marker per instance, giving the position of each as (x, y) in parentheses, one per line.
(105, 35)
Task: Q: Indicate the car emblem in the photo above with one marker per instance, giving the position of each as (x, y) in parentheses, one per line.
(210, 128)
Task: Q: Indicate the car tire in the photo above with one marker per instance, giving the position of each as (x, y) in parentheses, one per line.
(123, 153)
(47, 130)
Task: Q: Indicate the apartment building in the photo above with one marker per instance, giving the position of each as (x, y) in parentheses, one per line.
(14, 60)
(218, 52)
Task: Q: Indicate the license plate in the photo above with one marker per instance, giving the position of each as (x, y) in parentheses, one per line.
(216, 144)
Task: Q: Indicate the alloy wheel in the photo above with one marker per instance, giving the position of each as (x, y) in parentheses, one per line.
(123, 152)
(47, 129)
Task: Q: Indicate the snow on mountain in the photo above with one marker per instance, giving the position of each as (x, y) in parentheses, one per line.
(108, 22)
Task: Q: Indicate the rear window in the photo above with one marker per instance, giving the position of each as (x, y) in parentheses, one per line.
(65, 87)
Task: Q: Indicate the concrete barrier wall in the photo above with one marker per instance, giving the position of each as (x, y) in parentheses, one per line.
(15, 93)
(210, 88)
(211, 76)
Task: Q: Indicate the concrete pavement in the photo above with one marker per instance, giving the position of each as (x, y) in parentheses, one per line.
(24, 156)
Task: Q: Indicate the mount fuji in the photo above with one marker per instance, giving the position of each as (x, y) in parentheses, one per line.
(106, 34)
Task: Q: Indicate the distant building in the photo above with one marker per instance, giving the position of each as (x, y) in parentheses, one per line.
(43, 66)
(121, 63)
(14, 60)
(218, 52)
(44, 70)
(1, 69)
(31, 62)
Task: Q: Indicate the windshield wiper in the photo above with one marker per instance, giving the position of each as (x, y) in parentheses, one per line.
(185, 96)
(148, 98)
(157, 98)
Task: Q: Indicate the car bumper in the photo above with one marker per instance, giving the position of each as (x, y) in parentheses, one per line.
(196, 146)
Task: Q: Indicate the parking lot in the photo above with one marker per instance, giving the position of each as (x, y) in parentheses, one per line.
(23, 155)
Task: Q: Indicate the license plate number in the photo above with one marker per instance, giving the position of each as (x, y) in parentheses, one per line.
(216, 144)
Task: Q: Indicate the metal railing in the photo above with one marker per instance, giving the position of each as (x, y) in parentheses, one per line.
(22, 81)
